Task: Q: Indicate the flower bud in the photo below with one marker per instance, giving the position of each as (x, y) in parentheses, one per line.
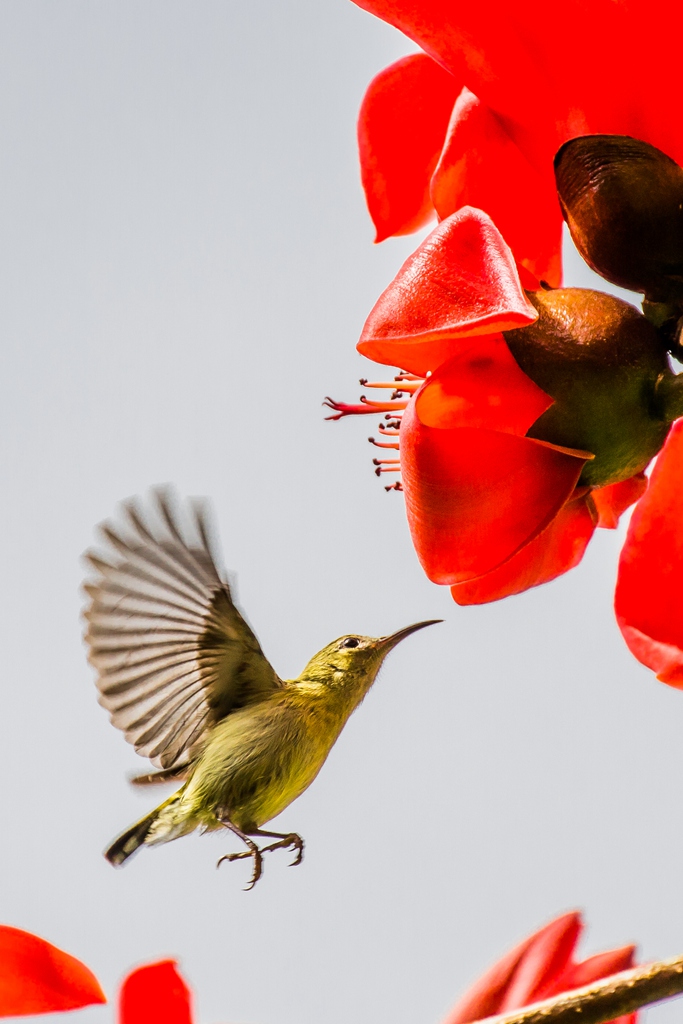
(623, 202)
(602, 362)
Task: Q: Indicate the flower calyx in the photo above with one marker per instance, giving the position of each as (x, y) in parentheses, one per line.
(607, 371)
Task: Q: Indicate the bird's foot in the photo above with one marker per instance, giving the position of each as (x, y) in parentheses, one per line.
(288, 842)
(291, 841)
(258, 863)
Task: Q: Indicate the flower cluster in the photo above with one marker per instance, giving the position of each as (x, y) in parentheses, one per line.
(526, 414)
(36, 978)
(532, 419)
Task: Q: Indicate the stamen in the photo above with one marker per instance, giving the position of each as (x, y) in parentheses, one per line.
(387, 433)
(410, 389)
(398, 486)
(387, 469)
(366, 407)
(344, 409)
(379, 444)
(384, 406)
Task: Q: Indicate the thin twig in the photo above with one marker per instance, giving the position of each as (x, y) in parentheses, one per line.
(606, 999)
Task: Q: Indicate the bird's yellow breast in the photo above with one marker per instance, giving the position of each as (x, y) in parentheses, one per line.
(262, 757)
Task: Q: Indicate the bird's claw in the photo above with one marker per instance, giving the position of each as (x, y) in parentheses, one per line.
(233, 856)
(258, 864)
(286, 843)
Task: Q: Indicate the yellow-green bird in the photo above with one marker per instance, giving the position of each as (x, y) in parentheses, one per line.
(183, 676)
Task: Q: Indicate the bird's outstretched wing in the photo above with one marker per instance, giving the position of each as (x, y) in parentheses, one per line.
(172, 652)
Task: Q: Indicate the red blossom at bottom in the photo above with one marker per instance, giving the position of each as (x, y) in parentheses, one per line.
(540, 967)
(155, 994)
(37, 977)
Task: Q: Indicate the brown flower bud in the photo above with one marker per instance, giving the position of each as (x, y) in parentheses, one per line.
(623, 202)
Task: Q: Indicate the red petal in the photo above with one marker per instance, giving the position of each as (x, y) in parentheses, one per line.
(462, 281)
(546, 949)
(528, 281)
(548, 77)
(544, 960)
(482, 166)
(558, 549)
(611, 502)
(540, 70)
(647, 600)
(630, 1018)
(401, 128)
(595, 967)
(592, 969)
(474, 497)
(155, 994)
(482, 386)
(524, 61)
(37, 977)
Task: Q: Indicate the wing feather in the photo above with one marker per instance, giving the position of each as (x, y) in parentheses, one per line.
(172, 652)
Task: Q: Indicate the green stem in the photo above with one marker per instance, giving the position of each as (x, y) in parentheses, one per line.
(604, 1000)
(669, 396)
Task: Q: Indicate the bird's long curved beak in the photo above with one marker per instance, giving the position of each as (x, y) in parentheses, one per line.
(387, 642)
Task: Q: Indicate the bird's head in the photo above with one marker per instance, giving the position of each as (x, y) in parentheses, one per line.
(352, 662)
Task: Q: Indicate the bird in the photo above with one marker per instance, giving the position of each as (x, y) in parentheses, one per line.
(183, 676)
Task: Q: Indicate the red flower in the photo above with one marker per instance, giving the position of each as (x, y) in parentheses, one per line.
(36, 977)
(520, 81)
(481, 497)
(155, 994)
(530, 421)
(523, 82)
(540, 967)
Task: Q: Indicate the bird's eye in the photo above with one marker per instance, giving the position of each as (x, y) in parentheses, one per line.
(351, 641)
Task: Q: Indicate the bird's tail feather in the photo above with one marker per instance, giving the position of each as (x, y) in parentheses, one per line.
(126, 845)
(139, 833)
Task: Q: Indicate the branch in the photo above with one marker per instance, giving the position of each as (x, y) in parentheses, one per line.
(604, 1000)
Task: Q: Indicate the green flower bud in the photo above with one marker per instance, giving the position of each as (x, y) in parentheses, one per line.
(604, 365)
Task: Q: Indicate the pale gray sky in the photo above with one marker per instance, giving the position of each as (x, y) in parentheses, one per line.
(186, 265)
